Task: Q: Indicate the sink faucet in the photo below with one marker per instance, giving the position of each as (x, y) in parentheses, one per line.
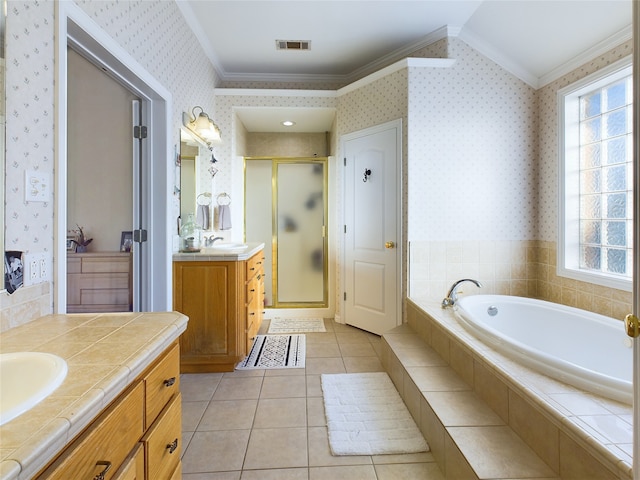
(208, 241)
(452, 296)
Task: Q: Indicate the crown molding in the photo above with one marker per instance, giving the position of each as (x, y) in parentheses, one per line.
(606, 45)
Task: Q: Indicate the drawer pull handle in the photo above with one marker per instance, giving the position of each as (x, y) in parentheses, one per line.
(252, 290)
(106, 465)
(169, 382)
(172, 446)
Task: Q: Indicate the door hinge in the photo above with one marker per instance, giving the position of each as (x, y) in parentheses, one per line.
(345, 161)
(140, 131)
(345, 296)
(139, 236)
(345, 229)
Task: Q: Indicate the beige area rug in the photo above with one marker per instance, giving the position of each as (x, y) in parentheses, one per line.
(296, 325)
(366, 416)
(275, 351)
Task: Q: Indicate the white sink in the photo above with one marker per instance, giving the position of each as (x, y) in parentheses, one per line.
(27, 378)
(222, 248)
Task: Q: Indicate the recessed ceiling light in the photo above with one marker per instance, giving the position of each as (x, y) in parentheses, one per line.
(288, 123)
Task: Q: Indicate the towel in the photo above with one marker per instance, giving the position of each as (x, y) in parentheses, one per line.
(202, 216)
(224, 217)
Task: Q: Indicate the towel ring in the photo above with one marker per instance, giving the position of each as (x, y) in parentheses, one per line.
(206, 195)
(223, 196)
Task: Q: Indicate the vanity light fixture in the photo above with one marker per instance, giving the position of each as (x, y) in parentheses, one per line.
(202, 125)
(288, 123)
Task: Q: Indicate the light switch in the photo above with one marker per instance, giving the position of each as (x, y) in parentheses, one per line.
(37, 186)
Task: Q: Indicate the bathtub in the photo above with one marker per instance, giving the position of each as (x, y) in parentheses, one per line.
(583, 349)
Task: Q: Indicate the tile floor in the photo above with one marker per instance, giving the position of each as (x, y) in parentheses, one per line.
(270, 424)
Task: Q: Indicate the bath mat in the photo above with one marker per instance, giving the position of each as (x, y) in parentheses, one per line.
(296, 325)
(366, 416)
(275, 351)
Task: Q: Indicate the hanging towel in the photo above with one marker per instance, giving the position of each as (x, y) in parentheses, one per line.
(202, 216)
(224, 217)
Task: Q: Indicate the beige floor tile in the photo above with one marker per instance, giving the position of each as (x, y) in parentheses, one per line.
(258, 372)
(405, 471)
(351, 472)
(285, 372)
(284, 387)
(199, 386)
(325, 365)
(212, 476)
(315, 412)
(320, 452)
(191, 415)
(229, 415)
(314, 388)
(424, 457)
(326, 337)
(352, 337)
(357, 350)
(437, 379)
(281, 412)
(229, 446)
(238, 388)
(276, 474)
(362, 364)
(419, 357)
(276, 448)
(329, 349)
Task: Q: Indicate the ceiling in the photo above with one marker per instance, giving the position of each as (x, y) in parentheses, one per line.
(536, 40)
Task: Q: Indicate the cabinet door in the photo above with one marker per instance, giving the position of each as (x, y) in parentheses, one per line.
(133, 467)
(208, 293)
(105, 446)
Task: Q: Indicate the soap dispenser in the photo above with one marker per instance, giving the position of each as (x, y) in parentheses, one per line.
(190, 235)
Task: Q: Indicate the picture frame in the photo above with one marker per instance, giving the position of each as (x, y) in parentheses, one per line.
(71, 244)
(126, 241)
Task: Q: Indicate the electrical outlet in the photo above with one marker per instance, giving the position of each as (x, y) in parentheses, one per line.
(44, 271)
(34, 270)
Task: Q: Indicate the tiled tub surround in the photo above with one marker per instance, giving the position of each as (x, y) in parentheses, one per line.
(104, 352)
(473, 400)
(525, 268)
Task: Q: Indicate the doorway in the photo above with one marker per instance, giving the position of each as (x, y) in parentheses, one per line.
(286, 209)
(153, 182)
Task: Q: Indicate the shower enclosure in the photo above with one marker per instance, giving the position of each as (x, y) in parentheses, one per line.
(286, 208)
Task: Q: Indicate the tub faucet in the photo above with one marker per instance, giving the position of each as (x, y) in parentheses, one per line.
(208, 241)
(452, 296)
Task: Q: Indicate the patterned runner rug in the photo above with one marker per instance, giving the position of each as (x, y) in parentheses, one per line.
(296, 325)
(366, 416)
(275, 351)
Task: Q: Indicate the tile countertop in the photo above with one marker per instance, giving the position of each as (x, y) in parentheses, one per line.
(104, 352)
(210, 255)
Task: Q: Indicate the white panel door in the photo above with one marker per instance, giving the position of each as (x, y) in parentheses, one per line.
(372, 228)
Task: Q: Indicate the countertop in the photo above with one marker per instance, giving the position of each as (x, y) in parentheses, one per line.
(104, 352)
(213, 255)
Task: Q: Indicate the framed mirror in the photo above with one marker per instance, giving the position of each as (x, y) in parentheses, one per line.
(195, 174)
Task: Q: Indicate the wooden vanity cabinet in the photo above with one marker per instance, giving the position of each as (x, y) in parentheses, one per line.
(126, 441)
(223, 300)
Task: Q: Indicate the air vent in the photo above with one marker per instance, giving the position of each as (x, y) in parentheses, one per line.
(293, 44)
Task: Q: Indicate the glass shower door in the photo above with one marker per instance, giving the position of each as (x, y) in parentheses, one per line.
(301, 216)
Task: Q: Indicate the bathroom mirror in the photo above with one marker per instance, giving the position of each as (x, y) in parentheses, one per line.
(195, 177)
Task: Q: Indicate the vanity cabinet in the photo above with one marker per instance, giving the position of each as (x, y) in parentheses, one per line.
(223, 300)
(137, 437)
(99, 282)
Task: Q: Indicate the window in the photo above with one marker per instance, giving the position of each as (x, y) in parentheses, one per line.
(596, 210)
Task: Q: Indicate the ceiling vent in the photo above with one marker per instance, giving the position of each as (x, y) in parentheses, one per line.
(293, 44)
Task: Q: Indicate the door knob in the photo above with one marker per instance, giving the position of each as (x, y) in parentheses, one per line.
(389, 245)
(632, 325)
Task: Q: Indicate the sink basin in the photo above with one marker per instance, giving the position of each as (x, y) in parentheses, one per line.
(222, 248)
(27, 378)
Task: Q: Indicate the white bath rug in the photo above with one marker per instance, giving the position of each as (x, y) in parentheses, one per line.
(366, 416)
(275, 351)
(296, 325)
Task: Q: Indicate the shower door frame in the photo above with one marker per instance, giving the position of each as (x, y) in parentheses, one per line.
(275, 161)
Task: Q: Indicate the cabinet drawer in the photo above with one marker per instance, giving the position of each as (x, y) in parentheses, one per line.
(163, 442)
(254, 265)
(105, 265)
(116, 433)
(162, 383)
(74, 265)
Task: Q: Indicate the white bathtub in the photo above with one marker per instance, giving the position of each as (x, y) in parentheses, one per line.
(581, 348)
